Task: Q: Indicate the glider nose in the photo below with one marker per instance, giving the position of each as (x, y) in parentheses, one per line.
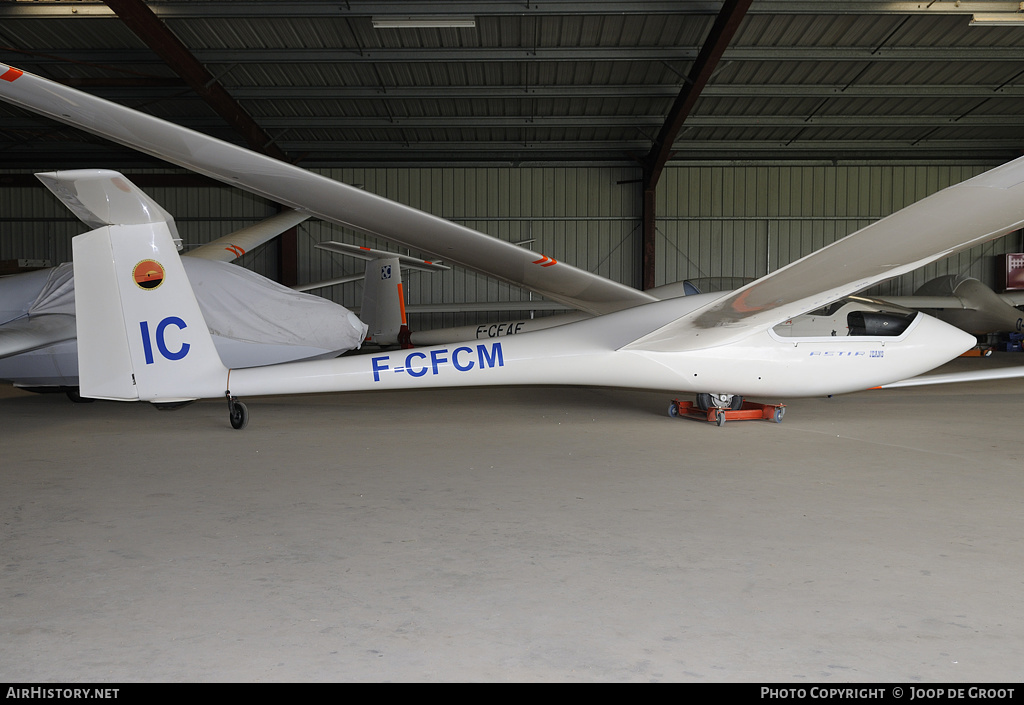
(941, 341)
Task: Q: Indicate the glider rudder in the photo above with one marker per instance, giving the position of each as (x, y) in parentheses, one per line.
(141, 335)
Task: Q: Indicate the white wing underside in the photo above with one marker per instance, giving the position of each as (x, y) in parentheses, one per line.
(954, 377)
(236, 244)
(320, 196)
(1014, 298)
(958, 217)
(919, 302)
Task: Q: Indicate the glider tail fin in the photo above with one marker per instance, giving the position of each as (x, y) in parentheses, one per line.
(141, 334)
(383, 309)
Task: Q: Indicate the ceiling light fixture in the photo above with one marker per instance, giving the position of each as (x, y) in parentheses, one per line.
(998, 19)
(422, 21)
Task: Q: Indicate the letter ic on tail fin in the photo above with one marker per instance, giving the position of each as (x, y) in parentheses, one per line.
(141, 335)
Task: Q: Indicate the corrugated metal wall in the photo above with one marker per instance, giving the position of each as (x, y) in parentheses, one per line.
(35, 225)
(585, 216)
(714, 222)
(746, 221)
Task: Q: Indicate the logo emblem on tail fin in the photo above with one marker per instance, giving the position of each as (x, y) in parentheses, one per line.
(148, 274)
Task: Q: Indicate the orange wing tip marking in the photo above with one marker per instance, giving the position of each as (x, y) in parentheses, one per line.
(11, 74)
(740, 304)
(235, 250)
(545, 261)
(148, 274)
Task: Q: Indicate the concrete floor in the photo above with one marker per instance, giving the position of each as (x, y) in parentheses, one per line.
(523, 534)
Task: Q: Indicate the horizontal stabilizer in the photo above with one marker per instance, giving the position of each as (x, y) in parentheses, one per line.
(368, 253)
(487, 306)
(102, 197)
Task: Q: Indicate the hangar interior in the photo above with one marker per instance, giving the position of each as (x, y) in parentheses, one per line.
(649, 142)
(538, 122)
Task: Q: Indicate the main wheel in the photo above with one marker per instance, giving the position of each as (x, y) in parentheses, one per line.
(239, 415)
(733, 402)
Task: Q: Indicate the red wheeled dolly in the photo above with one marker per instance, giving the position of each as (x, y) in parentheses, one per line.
(749, 411)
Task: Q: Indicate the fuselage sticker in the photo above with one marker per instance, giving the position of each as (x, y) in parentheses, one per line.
(496, 330)
(418, 364)
(847, 353)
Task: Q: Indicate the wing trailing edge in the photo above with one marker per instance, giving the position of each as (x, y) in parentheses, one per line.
(318, 195)
(234, 245)
(958, 217)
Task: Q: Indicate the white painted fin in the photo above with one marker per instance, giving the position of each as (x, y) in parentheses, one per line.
(383, 309)
(141, 335)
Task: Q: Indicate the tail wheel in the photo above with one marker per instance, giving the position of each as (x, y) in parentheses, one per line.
(239, 415)
(73, 394)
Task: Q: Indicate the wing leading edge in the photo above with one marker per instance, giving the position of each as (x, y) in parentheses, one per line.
(960, 216)
(977, 210)
(318, 195)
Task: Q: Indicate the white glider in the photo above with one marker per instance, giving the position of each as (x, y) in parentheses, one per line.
(152, 344)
